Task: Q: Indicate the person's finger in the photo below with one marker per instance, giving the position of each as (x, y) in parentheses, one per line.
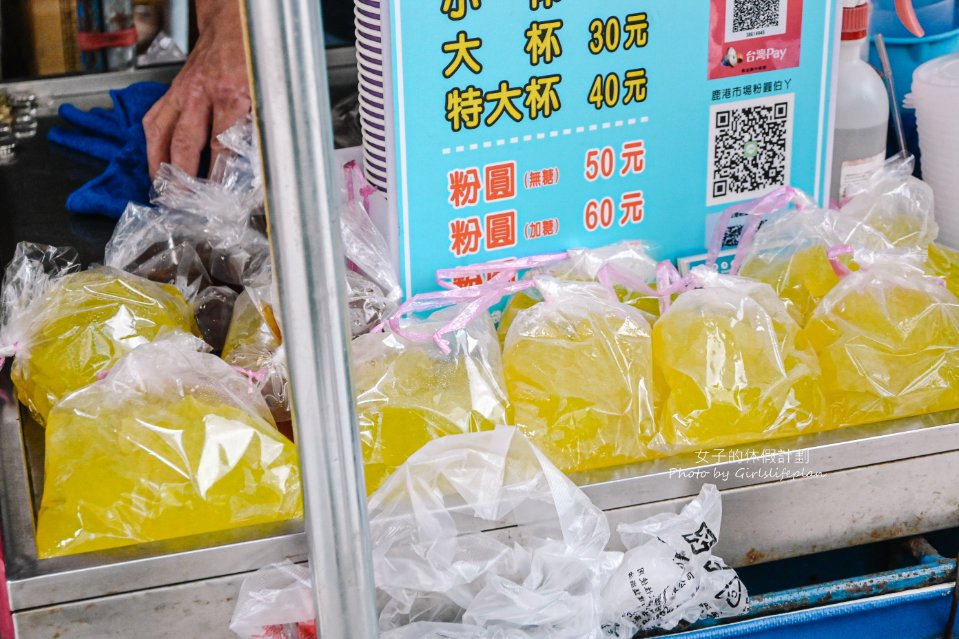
(158, 126)
(191, 134)
(225, 114)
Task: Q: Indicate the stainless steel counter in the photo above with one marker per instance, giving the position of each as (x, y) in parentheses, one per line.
(850, 487)
(840, 489)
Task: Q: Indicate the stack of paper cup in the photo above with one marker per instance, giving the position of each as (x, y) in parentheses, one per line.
(935, 95)
(370, 56)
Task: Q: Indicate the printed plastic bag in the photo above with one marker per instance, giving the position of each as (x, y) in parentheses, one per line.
(254, 344)
(670, 575)
(431, 563)
(172, 442)
(373, 288)
(734, 366)
(409, 390)
(579, 374)
(896, 204)
(66, 327)
(888, 342)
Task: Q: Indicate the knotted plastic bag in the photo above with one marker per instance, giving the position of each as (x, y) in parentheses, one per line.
(579, 374)
(630, 258)
(670, 575)
(254, 345)
(172, 442)
(898, 205)
(798, 252)
(888, 342)
(373, 288)
(735, 367)
(67, 327)
(432, 564)
(410, 390)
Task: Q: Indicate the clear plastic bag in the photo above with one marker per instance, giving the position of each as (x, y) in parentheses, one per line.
(898, 205)
(410, 391)
(684, 580)
(373, 288)
(579, 374)
(944, 262)
(888, 342)
(431, 564)
(734, 367)
(793, 251)
(67, 327)
(172, 442)
(254, 344)
(276, 602)
(630, 258)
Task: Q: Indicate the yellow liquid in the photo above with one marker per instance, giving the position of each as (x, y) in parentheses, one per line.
(84, 325)
(736, 370)
(944, 262)
(802, 279)
(147, 468)
(889, 348)
(410, 394)
(580, 382)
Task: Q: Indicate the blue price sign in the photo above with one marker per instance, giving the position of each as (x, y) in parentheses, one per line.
(532, 126)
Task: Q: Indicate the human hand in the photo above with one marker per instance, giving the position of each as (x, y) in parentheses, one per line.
(209, 95)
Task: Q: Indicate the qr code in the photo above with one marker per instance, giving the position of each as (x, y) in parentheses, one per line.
(750, 148)
(755, 18)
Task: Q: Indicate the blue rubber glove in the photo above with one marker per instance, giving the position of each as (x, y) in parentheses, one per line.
(115, 136)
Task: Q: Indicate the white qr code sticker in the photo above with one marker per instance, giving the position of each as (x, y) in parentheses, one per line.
(755, 19)
(750, 148)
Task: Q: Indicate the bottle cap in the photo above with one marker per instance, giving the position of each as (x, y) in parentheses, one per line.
(855, 22)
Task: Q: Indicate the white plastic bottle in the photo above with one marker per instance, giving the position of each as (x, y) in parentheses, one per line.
(862, 110)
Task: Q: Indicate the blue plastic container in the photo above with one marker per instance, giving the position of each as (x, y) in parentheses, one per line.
(917, 614)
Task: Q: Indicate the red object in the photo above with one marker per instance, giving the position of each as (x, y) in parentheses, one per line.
(855, 22)
(90, 41)
(6, 617)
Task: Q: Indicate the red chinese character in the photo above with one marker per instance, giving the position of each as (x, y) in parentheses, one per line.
(550, 227)
(550, 176)
(634, 157)
(534, 230)
(534, 179)
(632, 206)
(465, 236)
(500, 230)
(467, 281)
(500, 181)
(465, 187)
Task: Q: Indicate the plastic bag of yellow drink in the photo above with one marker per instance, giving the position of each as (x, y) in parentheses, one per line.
(735, 367)
(944, 262)
(66, 327)
(630, 258)
(579, 373)
(794, 251)
(172, 442)
(897, 205)
(410, 389)
(888, 342)
(254, 344)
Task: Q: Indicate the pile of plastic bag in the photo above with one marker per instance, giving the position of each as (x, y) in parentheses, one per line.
(161, 376)
(439, 576)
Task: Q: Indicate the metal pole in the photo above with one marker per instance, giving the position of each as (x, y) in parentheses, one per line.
(292, 104)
